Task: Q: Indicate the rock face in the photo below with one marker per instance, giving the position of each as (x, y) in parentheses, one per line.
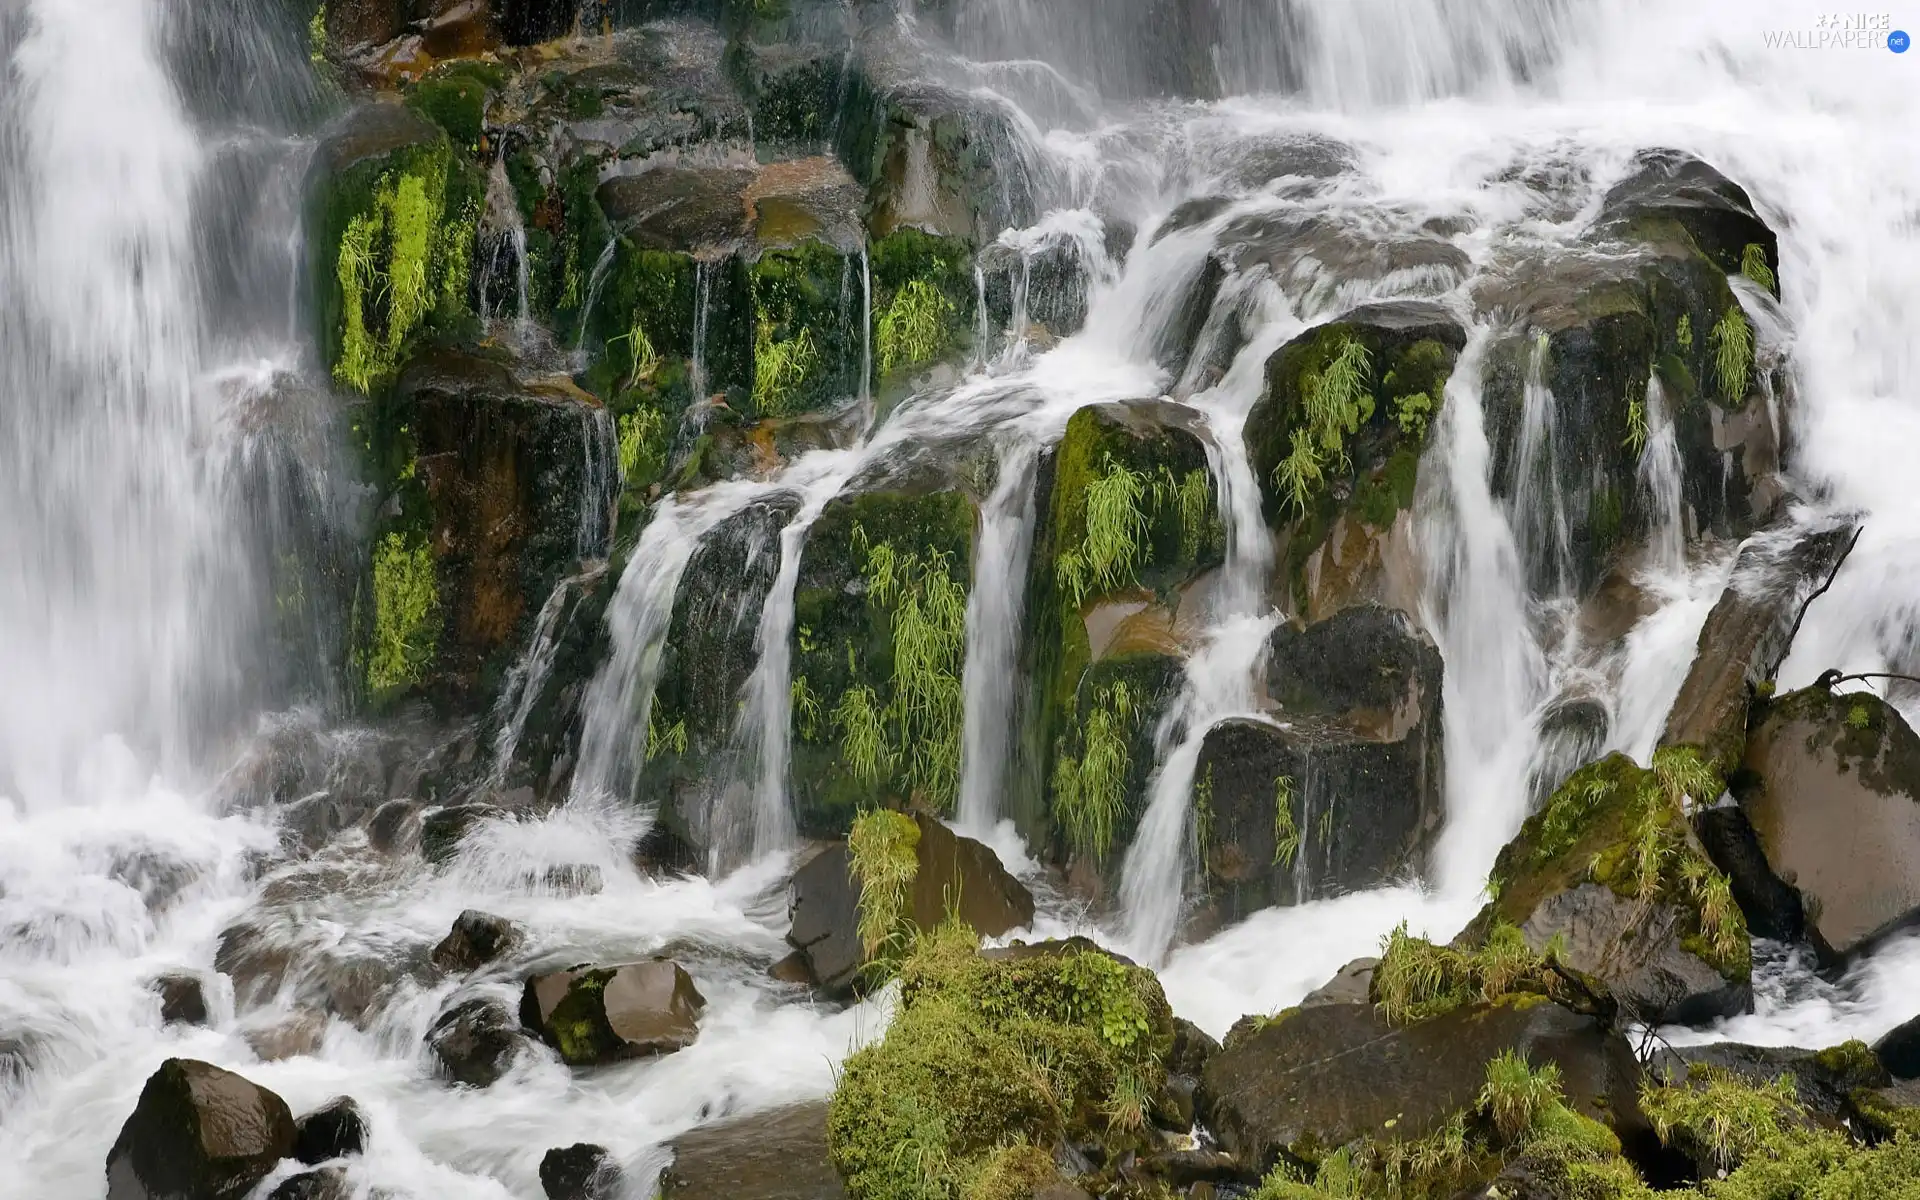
(1835, 802)
(442, 829)
(1667, 943)
(327, 1183)
(1343, 792)
(601, 1014)
(1748, 634)
(476, 940)
(333, 1131)
(1899, 1050)
(475, 1042)
(580, 1172)
(779, 1155)
(953, 870)
(198, 1131)
(1310, 1080)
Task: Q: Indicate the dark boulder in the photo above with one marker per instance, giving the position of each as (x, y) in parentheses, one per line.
(582, 1171)
(778, 1155)
(1714, 210)
(1833, 793)
(600, 1014)
(476, 939)
(326, 1183)
(1899, 1050)
(952, 871)
(1342, 790)
(198, 1131)
(1297, 1086)
(1748, 633)
(476, 1042)
(337, 1129)
(442, 829)
(183, 999)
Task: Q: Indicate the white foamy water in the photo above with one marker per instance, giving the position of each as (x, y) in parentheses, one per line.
(119, 585)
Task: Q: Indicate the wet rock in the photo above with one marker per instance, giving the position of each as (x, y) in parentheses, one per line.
(600, 1014)
(183, 1000)
(939, 160)
(513, 486)
(291, 1037)
(327, 1183)
(1899, 1050)
(394, 826)
(157, 877)
(792, 969)
(1834, 798)
(476, 1041)
(1296, 1086)
(198, 1131)
(334, 1130)
(1340, 515)
(442, 829)
(1748, 633)
(690, 208)
(952, 871)
(582, 1171)
(778, 1155)
(1663, 945)
(1351, 984)
(1714, 210)
(477, 939)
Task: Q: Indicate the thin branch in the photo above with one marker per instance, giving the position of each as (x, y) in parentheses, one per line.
(1793, 634)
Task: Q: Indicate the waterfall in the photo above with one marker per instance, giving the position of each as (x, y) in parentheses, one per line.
(1477, 610)
(596, 279)
(702, 299)
(1659, 478)
(527, 677)
(995, 609)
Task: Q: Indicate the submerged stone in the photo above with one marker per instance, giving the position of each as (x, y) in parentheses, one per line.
(475, 1041)
(580, 1172)
(334, 1130)
(778, 1155)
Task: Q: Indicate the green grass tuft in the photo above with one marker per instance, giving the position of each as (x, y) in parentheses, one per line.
(1753, 264)
(914, 329)
(1090, 792)
(883, 851)
(406, 614)
(1286, 831)
(1116, 537)
(1732, 341)
(780, 367)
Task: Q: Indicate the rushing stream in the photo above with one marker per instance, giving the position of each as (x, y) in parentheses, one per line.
(136, 589)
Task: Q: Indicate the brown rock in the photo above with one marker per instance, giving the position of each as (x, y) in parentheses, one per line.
(600, 1014)
(198, 1131)
(779, 1155)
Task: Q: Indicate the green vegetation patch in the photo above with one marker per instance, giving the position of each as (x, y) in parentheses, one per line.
(989, 1058)
(406, 615)
(923, 301)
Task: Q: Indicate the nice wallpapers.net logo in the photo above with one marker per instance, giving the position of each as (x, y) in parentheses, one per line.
(1843, 31)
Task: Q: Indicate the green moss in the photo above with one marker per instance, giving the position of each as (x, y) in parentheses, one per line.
(406, 615)
(805, 349)
(1417, 980)
(883, 852)
(922, 295)
(1718, 1118)
(454, 98)
(393, 244)
(985, 1056)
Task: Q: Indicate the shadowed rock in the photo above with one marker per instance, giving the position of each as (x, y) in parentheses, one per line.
(779, 1155)
(476, 1042)
(582, 1171)
(334, 1131)
(476, 939)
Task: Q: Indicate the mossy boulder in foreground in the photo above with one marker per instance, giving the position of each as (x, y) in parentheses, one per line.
(955, 1100)
(601, 1014)
(1611, 868)
(198, 1131)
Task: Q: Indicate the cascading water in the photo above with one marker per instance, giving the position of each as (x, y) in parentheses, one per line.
(128, 614)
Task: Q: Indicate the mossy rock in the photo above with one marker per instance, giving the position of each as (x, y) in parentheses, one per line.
(1612, 864)
(486, 495)
(454, 96)
(876, 665)
(602, 1014)
(1393, 362)
(949, 1087)
(807, 343)
(923, 301)
(391, 219)
(1116, 709)
(1158, 531)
